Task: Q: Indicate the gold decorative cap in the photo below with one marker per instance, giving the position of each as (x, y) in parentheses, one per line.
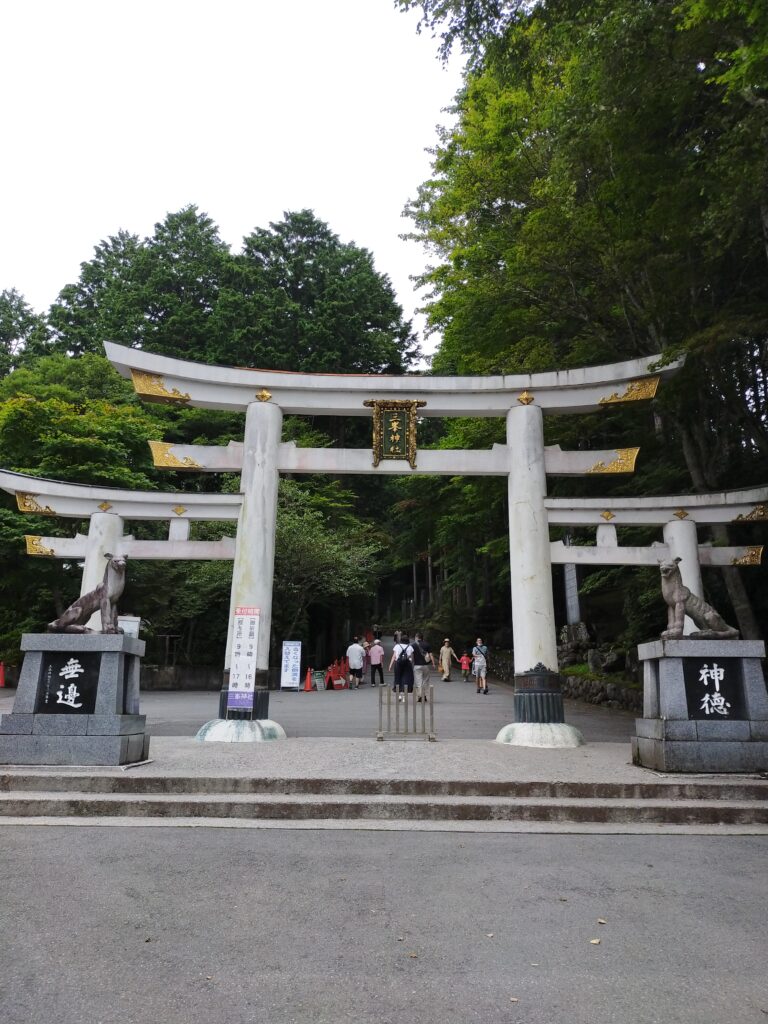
(752, 556)
(35, 546)
(152, 386)
(635, 391)
(28, 503)
(163, 457)
(623, 463)
(607, 515)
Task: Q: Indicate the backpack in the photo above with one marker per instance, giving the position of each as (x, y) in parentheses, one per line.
(402, 657)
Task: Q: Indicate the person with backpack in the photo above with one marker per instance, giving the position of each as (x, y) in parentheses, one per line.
(402, 662)
(422, 659)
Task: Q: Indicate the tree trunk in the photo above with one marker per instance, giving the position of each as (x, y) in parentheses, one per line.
(746, 619)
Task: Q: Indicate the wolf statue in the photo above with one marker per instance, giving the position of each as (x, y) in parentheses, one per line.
(681, 602)
(103, 598)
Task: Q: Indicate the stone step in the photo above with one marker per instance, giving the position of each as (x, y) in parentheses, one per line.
(65, 781)
(25, 804)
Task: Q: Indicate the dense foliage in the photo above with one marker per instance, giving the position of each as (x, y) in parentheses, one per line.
(296, 298)
(602, 194)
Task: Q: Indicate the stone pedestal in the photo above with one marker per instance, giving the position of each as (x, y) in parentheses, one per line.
(77, 702)
(705, 707)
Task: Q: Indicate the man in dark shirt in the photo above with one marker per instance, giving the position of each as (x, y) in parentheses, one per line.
(423, 659)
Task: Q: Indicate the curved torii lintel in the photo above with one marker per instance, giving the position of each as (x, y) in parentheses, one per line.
(739, 506)
(80, 501)
(164, 379)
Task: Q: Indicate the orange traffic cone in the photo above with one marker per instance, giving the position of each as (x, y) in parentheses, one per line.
(308, 682)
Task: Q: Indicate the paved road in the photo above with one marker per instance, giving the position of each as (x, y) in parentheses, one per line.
(193, 926)
(460, 713)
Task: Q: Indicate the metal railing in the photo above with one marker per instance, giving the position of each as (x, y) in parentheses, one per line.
(394, 714)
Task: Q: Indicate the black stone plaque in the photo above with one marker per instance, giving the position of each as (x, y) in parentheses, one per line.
(714, 689)
(68, 684)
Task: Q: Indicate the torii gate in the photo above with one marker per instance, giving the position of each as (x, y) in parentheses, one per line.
(523, 400)
(107, 508)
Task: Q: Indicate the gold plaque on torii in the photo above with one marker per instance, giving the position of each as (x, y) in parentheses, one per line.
(394, 428)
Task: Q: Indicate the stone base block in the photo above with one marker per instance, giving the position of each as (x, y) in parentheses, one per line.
(73, 750)
(77, 702)
(669, 746)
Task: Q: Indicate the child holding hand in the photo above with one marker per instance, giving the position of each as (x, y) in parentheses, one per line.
(466, 665)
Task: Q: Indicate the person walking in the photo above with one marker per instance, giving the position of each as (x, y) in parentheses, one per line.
(402, 662)
(466, 666)
(422, 660)
(355, 658)
(376, 656)
(480, 665)
(444, 659)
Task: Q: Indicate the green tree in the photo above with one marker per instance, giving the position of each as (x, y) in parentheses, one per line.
(23, 333)
(602, 196)
(160, 293)
(298, 298)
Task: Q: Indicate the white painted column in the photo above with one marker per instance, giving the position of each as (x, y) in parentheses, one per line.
(682, 539)
(533, 612)
(105, 534)
(539, 717)
(254, 563)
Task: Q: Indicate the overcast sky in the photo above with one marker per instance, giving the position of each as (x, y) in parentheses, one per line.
(117, 113)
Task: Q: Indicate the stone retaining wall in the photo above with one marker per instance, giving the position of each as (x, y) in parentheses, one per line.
(600, 691)
(593, 691)
(188, 677)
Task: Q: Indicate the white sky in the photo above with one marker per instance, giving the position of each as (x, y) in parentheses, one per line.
(117, 113)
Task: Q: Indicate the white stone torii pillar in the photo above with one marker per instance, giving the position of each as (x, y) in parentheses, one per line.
(681, 536)
(254, 563)
(105, 535)
(539, 717)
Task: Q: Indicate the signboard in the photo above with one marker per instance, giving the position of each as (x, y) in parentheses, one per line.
(242, 671)
(68, 684)
(290, 676)
(394, 428)
(714, 688)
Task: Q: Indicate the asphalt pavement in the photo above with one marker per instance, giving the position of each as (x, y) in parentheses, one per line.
(207, 926)
(460, 713)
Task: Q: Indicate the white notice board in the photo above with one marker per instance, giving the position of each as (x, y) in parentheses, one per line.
(290, 676)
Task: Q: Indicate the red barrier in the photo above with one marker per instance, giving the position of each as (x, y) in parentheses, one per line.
(2, 673)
